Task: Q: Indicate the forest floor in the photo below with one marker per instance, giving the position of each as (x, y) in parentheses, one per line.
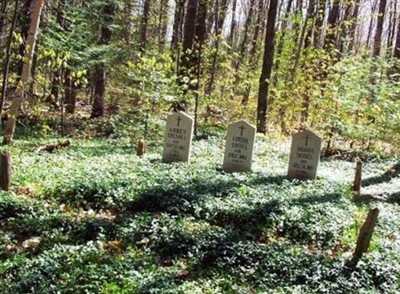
(95, 218)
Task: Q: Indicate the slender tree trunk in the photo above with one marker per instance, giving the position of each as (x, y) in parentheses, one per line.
(281, 42)
(162, 24)
(129, 25)
(200, 38)
(30, 48)
(55, 89)
(262, 105)
(31, 90)
(253, 59)
(390, 25)
(371, 23)
(392, 28)
(256, 34)
(178, 17)
(305, 39)
(319, 23)
(69, 92)
(143, 26)
(376, 49)
(3, 9)
(24, 14)
(100, 69)
(353, 27)
(243, 46)
(220, 19)
(396, 53)
(6, 67)
(311, 11)
(343, 36)
(187, 64)
(200, 33)
(331, 29)
(233, 24)
(212, 18)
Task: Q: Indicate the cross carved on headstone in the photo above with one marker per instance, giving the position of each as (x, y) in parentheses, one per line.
(307, 137)
(179, 121)
(241, 130)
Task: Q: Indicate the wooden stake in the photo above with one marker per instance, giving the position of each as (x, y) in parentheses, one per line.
(357, 177)
(5, 169)
(364, 237)
(141, 148)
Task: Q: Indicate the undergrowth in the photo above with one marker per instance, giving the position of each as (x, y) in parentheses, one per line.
(95, 218)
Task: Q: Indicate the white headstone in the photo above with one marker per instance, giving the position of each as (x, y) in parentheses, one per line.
(304, 155)
(239, 147)
(178, 137)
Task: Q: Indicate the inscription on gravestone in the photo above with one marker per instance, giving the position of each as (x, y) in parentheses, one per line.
(178, 137)
(239, 147)
(304, 155)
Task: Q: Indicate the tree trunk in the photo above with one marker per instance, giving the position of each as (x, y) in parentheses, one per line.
(233, 24)
(243, 46)
(200, 38)
(3, 10)
(24, 14)
(200, 33)
(70, 92)
(220, 19)
(55, 89)
(128, 15)
(143, 26)
(262, 105)
(253, 59)
(392, 28)
(187, 61)
(162, 24)
(311, 11)
(354, 20)
(331, 29)
(7, 59)
(99, 74)
(396, 53)
(31, 90)
(30, 48)
(371, 23)
(343, 36)
(178, 19)
(303, 38)
(258, 25)
(376, 49)
(281, 42)
(319, 23)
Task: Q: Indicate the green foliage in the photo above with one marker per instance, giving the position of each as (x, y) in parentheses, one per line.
(107, 221)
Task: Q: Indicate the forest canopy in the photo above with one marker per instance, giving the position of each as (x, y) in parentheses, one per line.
(329, 65)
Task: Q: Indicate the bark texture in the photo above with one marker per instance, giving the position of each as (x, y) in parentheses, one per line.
(262, 105)
(26, 68)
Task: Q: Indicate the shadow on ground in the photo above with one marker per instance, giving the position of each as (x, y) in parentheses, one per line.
(393, 172)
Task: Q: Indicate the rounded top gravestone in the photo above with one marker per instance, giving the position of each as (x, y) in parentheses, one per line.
(304, 155)
(239, 147)
(178, 137)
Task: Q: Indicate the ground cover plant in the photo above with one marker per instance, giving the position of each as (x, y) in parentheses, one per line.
(96, 218)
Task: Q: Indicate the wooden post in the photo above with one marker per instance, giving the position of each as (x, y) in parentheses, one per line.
(364, 237)
(141, 148)
(357, 178)
(5, 170)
